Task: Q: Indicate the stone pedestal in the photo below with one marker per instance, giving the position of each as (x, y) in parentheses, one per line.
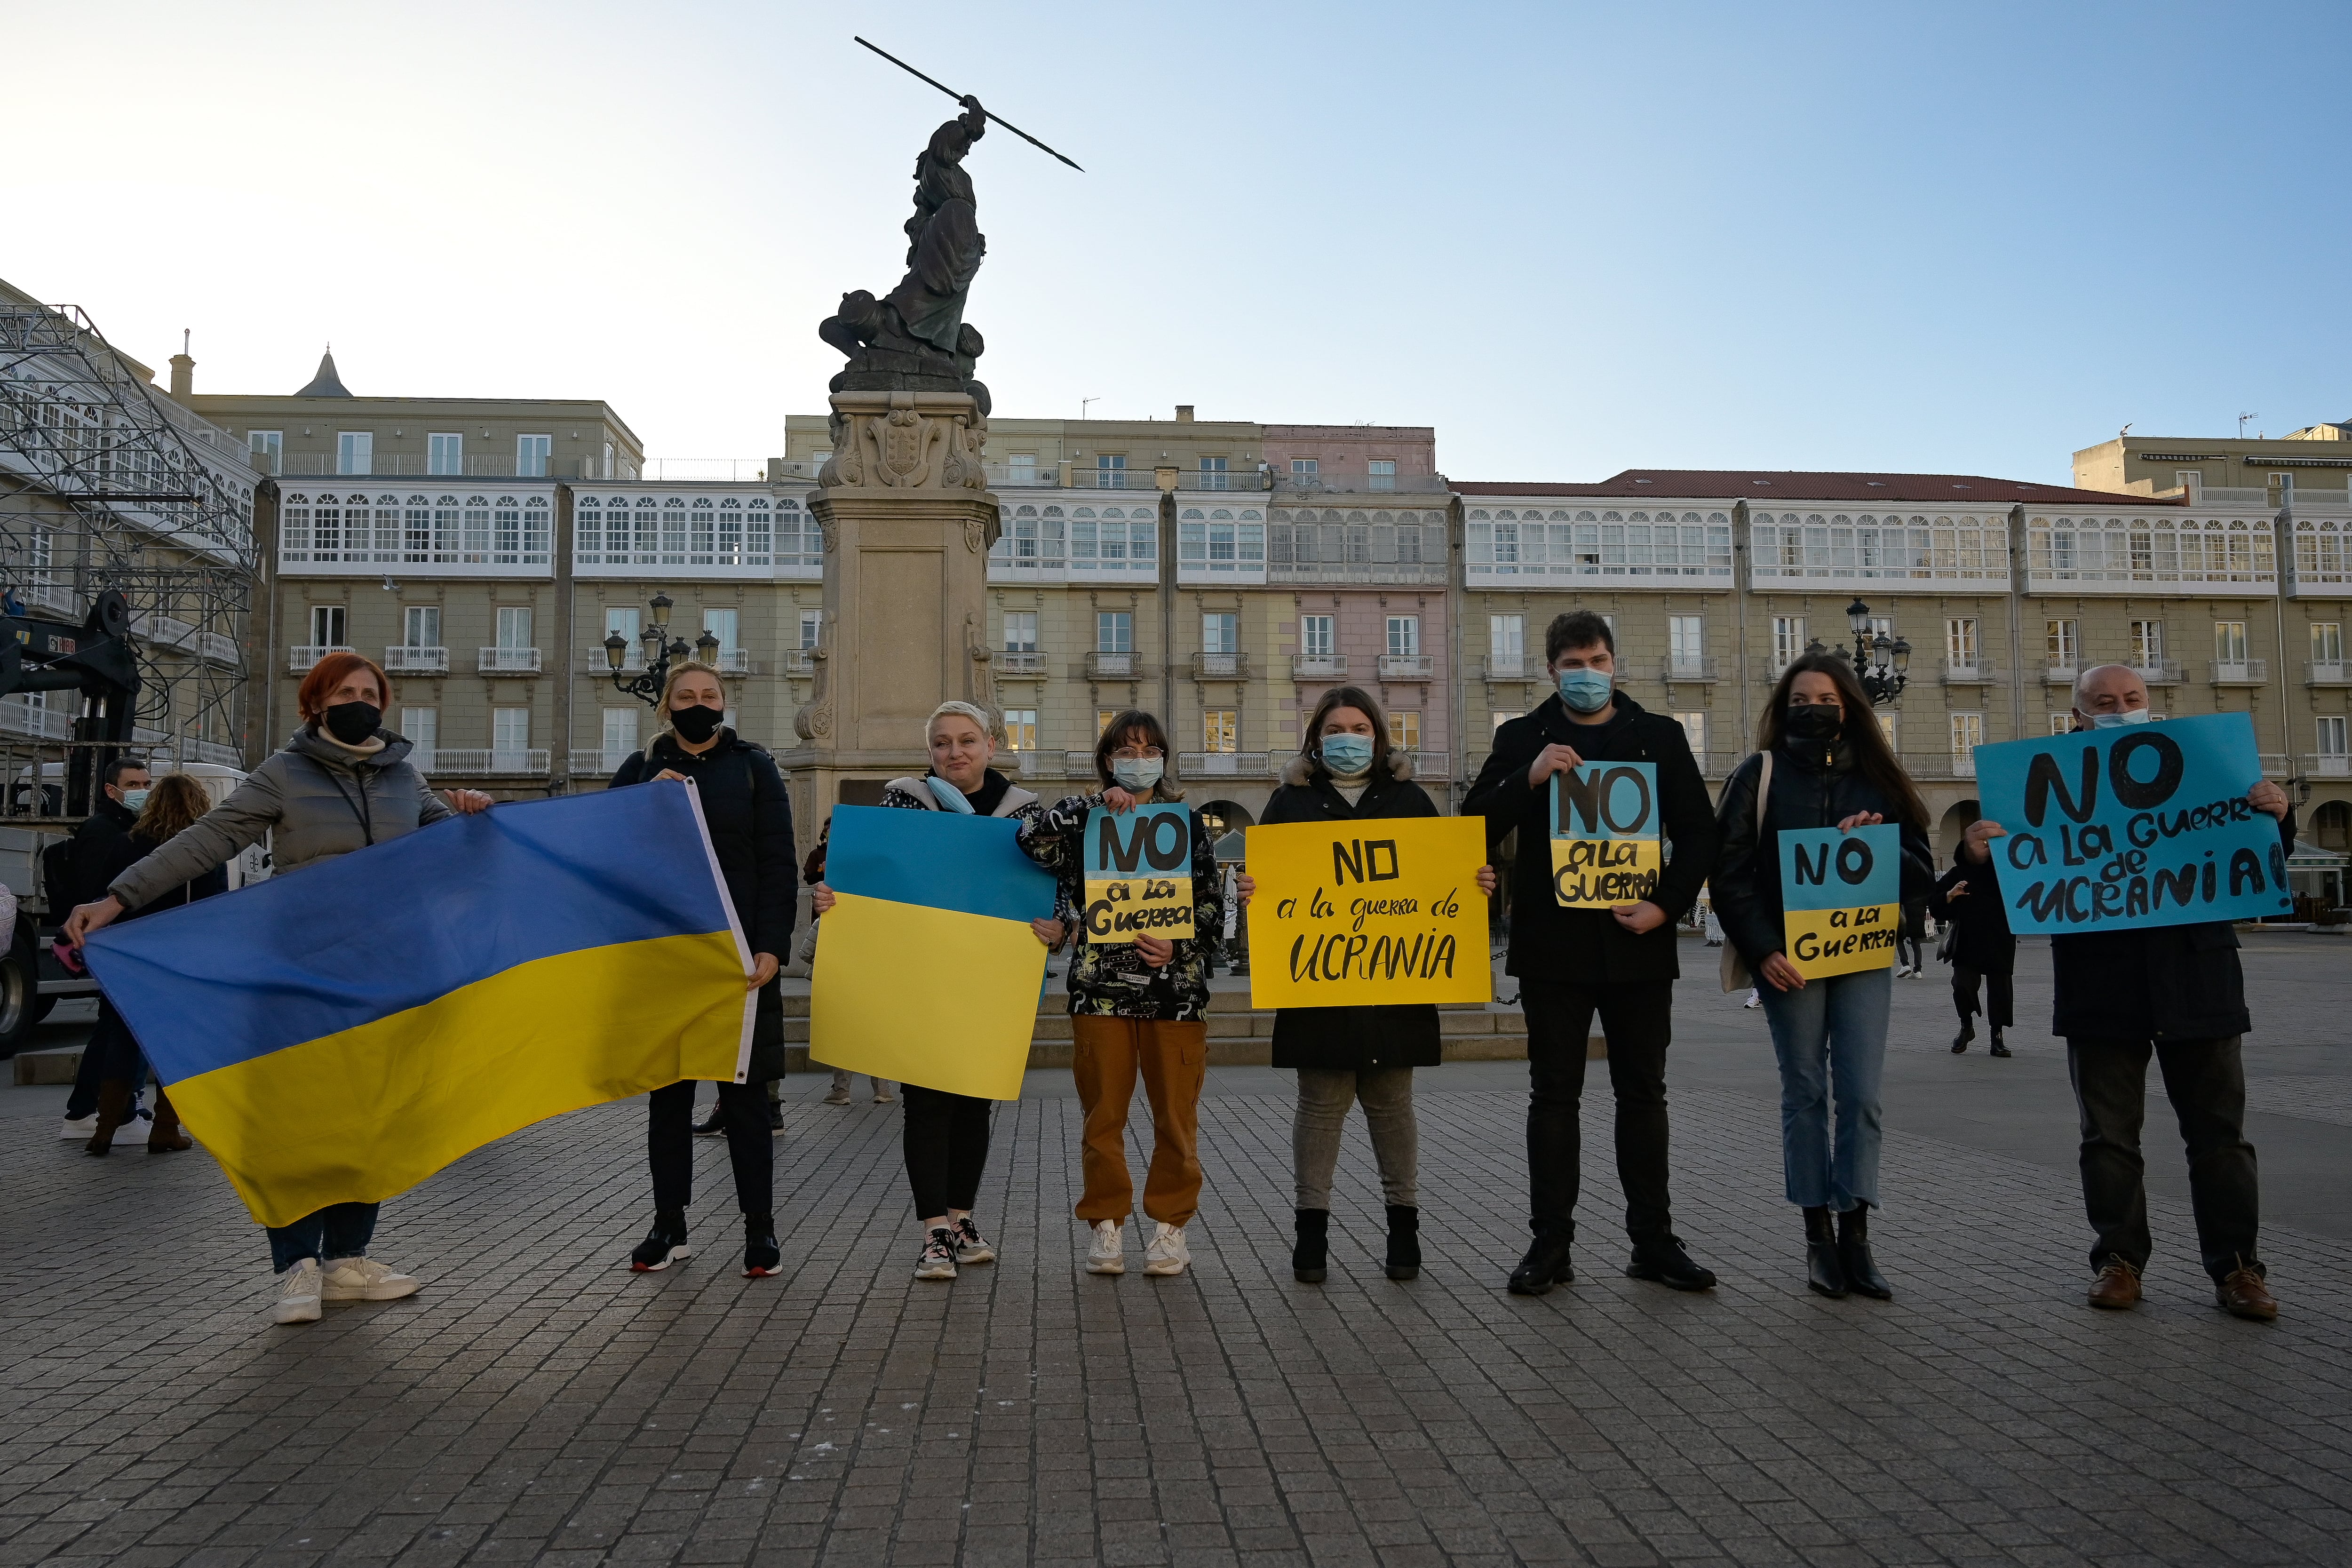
(908, 520)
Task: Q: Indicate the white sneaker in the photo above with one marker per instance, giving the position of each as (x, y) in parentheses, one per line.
(971, 1247)
(1106, 1249)
(134, 1131)
(297, 1298)
(836, 1097)
(365, 1280)
(939, 1257)
(1167, 1253)
(82, 1127)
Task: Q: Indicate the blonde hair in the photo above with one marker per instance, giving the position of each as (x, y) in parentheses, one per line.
(989, 724)
(670, 685)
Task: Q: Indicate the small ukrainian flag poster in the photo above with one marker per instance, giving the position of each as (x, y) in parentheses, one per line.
(1840, 898)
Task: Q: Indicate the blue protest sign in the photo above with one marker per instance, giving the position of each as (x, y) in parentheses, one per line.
(2144, 825)
(1604, 834)
(1840, 898)
(1138, 874)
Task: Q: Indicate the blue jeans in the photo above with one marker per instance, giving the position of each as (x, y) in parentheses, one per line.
(1830, 1038)
(339, 1230)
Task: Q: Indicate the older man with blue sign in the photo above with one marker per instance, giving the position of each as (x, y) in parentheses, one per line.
(2136, 847)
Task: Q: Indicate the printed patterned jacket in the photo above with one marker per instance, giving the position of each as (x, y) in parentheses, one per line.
(1112, 981)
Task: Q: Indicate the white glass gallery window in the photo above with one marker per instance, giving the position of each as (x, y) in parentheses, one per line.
(693, 531)
(1529, 541)
(1799, 546)
(1220, 539)
(1305, 540)
(446, 530)
(1078, 539)
(2187, 550)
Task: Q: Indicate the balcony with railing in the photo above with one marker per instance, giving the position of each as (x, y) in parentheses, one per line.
(2326, 672)
(1508, 666)
(2327, 764)
(416, 660)
(1116, 666)
(1077, 765)
(2058, 674)
(1969, 672)
(2156, 671)
(1225, 764)
(218, 647)
(1041, 764)
(800, 661)
(733, 661)
(1947, 765)
(1113, 479)
(419, 465)
(2239, 672)
(589, 762)
(57, 598)
(1362, 484)
(1429, 767)
(1221, 667)
(301, 656)
(1688, 669)
(1019, 664)
(1319, 666)
(507, 661)
(1407, 666)
(20, 715)
(489, 762)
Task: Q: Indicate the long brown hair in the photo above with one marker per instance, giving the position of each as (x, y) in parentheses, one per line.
(1859, 732)
(1310, 745)
(174, 801)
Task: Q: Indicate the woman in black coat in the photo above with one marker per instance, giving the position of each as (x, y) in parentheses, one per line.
(751, 822)
(1346, 769)
(1982, 945)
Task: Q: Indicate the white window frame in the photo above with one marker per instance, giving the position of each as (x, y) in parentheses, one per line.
(1220, 730)
(514, 627)
(415, 616)
(444, 452)
(1019, 631)
(1114, 625)
(1790, 640)
(1220, 631)
(354, 451)
(1403, 637)
(534, 456)
(1507, 640)
(1019, 729)
(1319, 636)
(326, 619)
(811, 629)
(421, 728)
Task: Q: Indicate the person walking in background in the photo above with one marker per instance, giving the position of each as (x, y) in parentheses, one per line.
(342, 783)
(1911, 941)
(1346, 770)
(2177, 993)
(946, 1140)
(805, 949)
(168, 807)
(1823, 762)
(1982, 948)
(1135, 1006)
(1620, 962)
(749, 817)
(76, 872)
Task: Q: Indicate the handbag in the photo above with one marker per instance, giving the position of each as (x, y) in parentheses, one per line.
(1733, 967)
(1948, 940)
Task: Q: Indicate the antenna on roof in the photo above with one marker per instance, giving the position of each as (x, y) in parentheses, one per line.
(2242, 424)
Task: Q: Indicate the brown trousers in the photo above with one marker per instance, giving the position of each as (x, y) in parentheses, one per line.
(1174, 1058)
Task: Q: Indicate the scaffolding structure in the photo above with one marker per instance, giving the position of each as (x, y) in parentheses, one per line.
(105, 483)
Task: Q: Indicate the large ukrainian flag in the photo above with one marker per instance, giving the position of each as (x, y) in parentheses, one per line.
(340, 1033)
(927, 971)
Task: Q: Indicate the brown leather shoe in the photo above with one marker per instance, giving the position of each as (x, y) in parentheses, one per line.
(2244, 1295)
(2118, 1286)
(164, 1137)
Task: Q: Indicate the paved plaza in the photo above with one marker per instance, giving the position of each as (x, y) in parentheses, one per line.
(537, 1402)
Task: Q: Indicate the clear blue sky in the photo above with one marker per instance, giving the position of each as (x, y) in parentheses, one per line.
(1572, 237)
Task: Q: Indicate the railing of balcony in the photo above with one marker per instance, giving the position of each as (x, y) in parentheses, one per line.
(1020, 661)
(1042, 764)
(733, 661)
(2239, 672)
(589, 762)
(1023, 477)
(417, 465)
(2058, 674)
(508, 660)
(1223, 765)
(1221, 667)
(417, 660)
(2329, 765)
(1508, 666)
(1429, 767)
(2158, 672)
(1113, 479)
(302, 656)
(1688, 667)
(1969, 672)
(1363, 484)
(2326, 672)
(1319, 666)
(1407, 666)
(57, 597)
(1115, 667)
(799, 660)
(489, 761)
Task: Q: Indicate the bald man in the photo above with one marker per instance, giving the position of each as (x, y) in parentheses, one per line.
(2178, 992)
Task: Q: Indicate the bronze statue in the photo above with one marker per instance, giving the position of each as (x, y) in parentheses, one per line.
(915, 338)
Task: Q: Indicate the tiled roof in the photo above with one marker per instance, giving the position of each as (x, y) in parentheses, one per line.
(1766, 484)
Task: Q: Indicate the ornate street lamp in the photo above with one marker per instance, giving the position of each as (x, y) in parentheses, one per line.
(1879, 662)
(661, 651)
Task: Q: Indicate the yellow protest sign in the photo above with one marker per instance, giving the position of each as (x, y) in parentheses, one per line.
(1604, 834)
(1138, 874)
(1839, 898)
(1348, 914)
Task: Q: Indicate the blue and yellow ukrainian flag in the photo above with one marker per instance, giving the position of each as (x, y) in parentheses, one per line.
(927, 971)
(340, 1033)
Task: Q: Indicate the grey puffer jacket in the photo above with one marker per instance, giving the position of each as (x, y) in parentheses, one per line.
(320, 799)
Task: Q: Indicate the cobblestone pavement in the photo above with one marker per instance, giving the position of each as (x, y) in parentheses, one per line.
(538, 1401)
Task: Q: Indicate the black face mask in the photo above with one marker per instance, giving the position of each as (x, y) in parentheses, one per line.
(352, 722)
(1813, 722)
(695, 725)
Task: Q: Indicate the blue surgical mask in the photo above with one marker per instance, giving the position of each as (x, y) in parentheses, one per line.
(949, 797)
(135, 799)
(1346, 755)
(1138, 775)
(1586, 690)
(2117, 720)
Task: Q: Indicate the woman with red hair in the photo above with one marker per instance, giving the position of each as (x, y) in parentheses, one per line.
(341, 783)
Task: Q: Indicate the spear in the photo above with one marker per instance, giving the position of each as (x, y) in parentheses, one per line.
(959, 98)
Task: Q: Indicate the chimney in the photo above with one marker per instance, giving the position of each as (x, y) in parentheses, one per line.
(1184, 414)
(183, 369)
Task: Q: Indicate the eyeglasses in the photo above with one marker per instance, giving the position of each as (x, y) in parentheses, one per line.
(1138, 754)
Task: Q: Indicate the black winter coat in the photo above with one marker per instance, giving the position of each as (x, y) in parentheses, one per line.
(1352, 1039)
(1588, 947)
(2168, 983)
(750, 821)
(112, 1041)
(1812, 786)
(1980, 938)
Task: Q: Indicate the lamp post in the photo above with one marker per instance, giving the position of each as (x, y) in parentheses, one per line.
(661, 652)
(1879, 662)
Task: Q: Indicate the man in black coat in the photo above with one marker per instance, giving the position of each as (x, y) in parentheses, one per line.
(1618, 961)
(2176, 990)
(88, 862)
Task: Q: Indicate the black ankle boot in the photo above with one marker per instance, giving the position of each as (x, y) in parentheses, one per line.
(1545, 1266)
(1968, 1032)
(662, 1246)
(2000, 1047)
(1854, 1253)
(761, 1253)
(1307, 1254)
(1824, 1274)
(1404, 1243)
